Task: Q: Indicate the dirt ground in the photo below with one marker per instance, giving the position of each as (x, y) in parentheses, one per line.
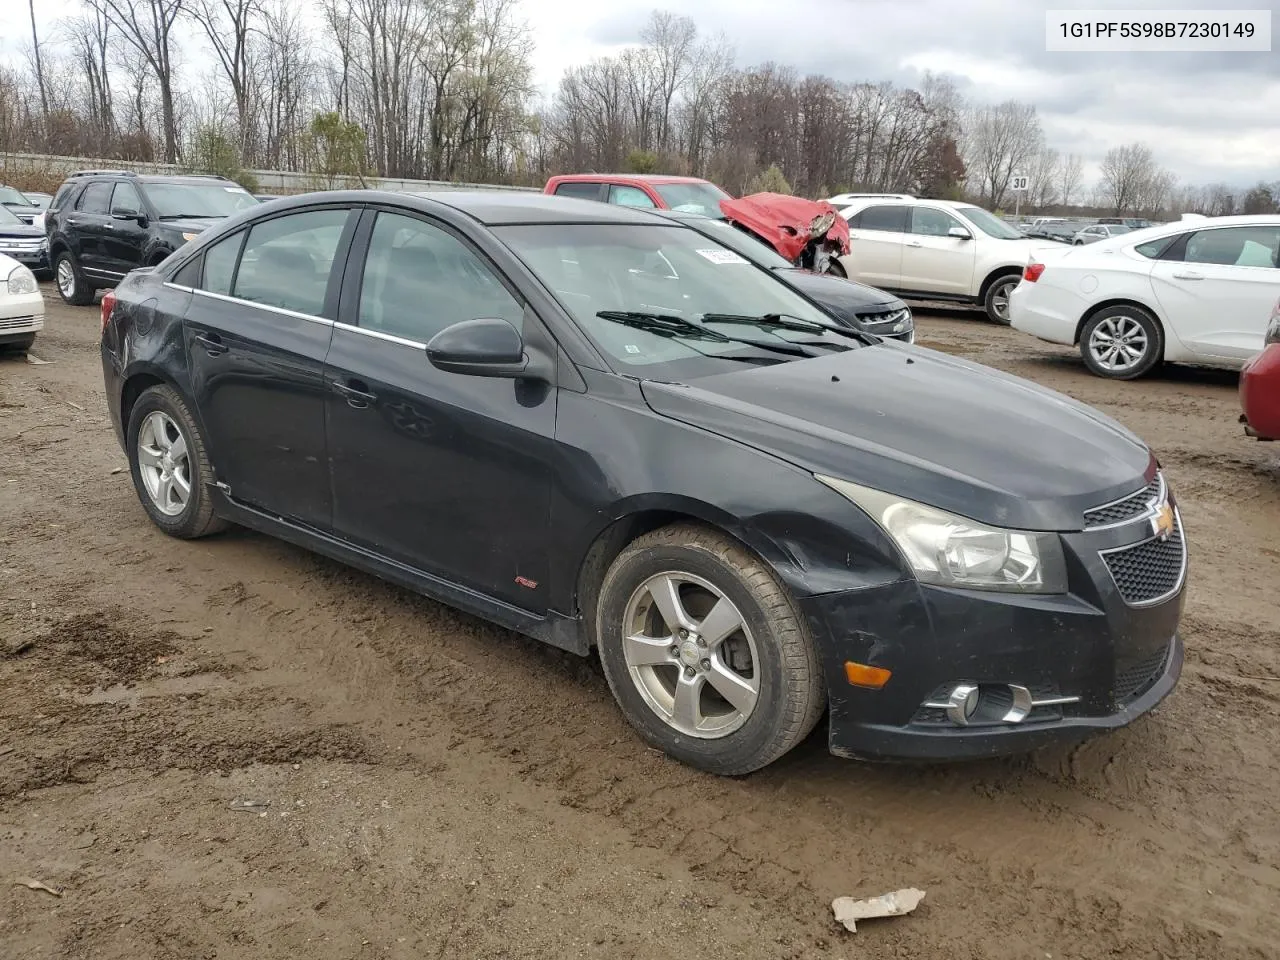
(440, 788)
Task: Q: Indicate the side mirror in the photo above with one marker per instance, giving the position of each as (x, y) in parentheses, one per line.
(486, 347)
(120, 213)
(959, 233)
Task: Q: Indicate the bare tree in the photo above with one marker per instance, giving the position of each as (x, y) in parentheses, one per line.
(1129, 177)
(230, 27)
(1043, 173)
(672, 40)
(147, 27)
(999, 142)
(35, 48)
(1070, 174)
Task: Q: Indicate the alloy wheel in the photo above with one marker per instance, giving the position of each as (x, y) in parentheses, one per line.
(1000, 299)
(66, 278)
(691, 655)
(164, 463)
(1118, 343)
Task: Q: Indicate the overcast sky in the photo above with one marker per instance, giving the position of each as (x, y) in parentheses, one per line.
(1208, 117)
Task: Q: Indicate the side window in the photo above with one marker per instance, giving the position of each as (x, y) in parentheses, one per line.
(96, 198)
(220, 264)
(931, 222)
(287, 260)
(125, 199)
(419, 279)
(625, 196)
(189, 274)
(892, 219)
(66, 193)
(582, 191)
(1153, 248)
(1234, 246)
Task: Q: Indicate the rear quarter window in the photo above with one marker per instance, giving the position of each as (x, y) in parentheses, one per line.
(579, 190)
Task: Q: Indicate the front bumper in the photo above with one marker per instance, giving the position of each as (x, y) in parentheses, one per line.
(32, 257)
(1260, 394)
(20, 315)
(1114, 660)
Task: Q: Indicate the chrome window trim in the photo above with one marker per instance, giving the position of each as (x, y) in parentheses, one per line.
(240, 301)
(379, 335)
(1182, 570)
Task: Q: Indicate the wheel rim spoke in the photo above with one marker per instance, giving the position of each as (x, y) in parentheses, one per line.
(686, 709)
(149, 456)
(178, 449)
(739, 691)
(722, 622)
(642, 651)
(181, 487)
(666, 595)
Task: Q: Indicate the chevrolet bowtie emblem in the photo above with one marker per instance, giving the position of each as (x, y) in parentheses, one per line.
(1162, 522)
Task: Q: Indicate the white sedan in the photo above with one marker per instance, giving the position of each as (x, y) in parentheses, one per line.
(1195, 292)
(21, 305)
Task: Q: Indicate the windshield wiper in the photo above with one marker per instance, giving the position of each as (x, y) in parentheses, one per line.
(183, 216)
(671, 326)
(780, 321)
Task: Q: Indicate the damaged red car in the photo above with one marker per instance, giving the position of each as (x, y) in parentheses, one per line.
(809, 233)
(1260, 386)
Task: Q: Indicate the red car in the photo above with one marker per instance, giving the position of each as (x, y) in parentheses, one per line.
(783, 222)
(1260, 386)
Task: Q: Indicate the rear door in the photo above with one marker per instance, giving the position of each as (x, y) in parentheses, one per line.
(1217, 287)
(87, 228)
(256, 334)
(877, 236)
(932, 260)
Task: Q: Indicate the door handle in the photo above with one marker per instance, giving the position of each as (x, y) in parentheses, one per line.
(212, 344)
(357, 393)
(1188, 275)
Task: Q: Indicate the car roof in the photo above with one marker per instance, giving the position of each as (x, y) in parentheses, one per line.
(633, 177)
(493, 207)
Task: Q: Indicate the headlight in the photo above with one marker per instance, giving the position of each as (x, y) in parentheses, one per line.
(953, 551)
(22, 280)
(188, 237)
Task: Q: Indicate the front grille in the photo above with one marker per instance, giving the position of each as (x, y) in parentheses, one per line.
(1151, 570)
(1135, 680)
(17, 323)
(1134, 505)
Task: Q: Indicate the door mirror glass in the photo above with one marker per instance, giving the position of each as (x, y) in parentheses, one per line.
(485, 347)
(123, 213)
(959, 233)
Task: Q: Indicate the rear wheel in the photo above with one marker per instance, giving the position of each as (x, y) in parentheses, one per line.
(170, 467)
(72, 286)
(996, 302)
(705, 652)
(1122, 342)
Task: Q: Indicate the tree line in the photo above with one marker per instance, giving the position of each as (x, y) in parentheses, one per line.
(443, 89)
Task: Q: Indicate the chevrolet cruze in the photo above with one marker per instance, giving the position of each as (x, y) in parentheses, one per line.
(611, 433)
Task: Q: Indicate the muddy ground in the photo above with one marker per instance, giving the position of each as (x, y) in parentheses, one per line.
(441, 788)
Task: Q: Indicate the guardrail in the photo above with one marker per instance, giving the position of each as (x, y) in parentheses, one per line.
(269, 181)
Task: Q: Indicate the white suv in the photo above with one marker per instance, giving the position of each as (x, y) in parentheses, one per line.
(936, 250)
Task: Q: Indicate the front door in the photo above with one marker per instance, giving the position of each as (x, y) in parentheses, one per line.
(257, 332)
(1218, 296)
(934, 261)
(446, 473)
(125, 236)
(88, 224)
(876, 238)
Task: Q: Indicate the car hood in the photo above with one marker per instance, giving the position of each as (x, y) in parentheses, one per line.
(925, 426)
(842, 296)
(24, 231)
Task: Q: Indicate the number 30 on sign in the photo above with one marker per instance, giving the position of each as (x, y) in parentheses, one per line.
(1020, 183)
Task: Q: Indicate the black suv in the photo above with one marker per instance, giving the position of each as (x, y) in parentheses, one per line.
(104, 223)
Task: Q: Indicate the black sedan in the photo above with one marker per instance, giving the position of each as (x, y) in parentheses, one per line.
(609, 432)
(850, 302)
(25, 243)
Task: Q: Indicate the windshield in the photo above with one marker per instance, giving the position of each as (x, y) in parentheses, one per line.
(989, 223)
(755, 250)
(703, 198)
(670, 271)
(8, 196)
(40, 200)
(198, 199)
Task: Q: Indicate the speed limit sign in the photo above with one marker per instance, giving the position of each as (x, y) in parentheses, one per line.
(1020, 183)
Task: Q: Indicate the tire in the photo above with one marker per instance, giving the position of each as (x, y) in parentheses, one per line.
(70, 281)
(996, 300)
(761, 633)
(1143, 333)
(160, 407)
(19, 344)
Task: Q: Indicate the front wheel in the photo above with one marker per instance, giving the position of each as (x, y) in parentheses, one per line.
(72, 286)
(1122, 342)
(705, 651)
(996, 302)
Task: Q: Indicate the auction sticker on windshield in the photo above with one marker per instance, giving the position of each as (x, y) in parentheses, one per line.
(723, 256)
